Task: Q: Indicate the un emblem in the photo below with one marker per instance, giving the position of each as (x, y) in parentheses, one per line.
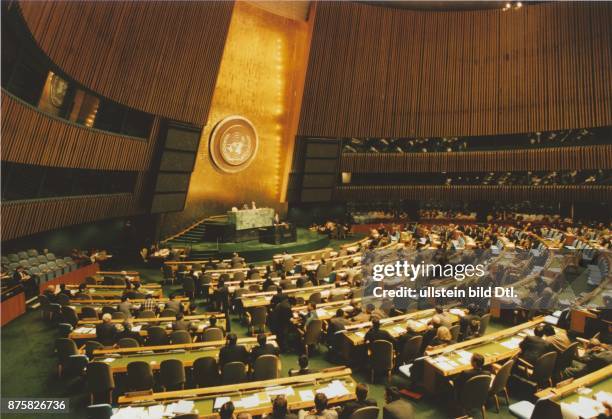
(233, 144)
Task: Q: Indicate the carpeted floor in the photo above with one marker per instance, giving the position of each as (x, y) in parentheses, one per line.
(28, 365)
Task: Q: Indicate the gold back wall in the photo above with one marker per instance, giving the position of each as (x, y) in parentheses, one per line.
(263, 65)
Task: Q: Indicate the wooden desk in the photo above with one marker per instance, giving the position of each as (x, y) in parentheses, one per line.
(150, 286)
(118, 359)
(135, 320)
(259, 299)
(588, 387)
(83, 332)
(204, 398)
(111, 294)
(454, 359)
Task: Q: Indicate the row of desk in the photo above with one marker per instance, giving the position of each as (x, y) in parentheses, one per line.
(253, 397)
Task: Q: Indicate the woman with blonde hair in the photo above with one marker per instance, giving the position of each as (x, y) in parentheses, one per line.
(443, 337)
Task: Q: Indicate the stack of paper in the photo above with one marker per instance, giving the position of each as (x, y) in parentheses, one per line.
(334, 389)
(321, 312)
(360, 334)
(220, 401)
(248, 402)
(306, 395)
(277, 391)
(512, 343)
(584, 407)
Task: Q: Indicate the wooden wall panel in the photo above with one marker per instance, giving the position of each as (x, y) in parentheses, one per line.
(565, 193)
(23, 218)
(161, 57)
(32, 137)
(562, 158)
(383, 72)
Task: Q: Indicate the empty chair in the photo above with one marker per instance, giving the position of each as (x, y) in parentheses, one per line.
(212, 334)
(91, 346)
(315, 298)
(544, 408)
(257, 319)
(539, 375)
(180, 337)
(88, 313)
(65, 329)
(69, 315)
(128, 343)
(172, 374)
(44, 307)
(156, 336)
(64, 348)
(139, 376)
(62, 299)
(233, 373)
(254, 287)
(167, 312)
(50, 256)
(266, 367)
(368, 412)
(454, 331)
(13, 258)
(484, 323)
(475, 393)
(205, 372)
(500, 383)
(32, 253)
(22, 255)
(119, 315)
(411, 350)
(75, 366)
(312, 334)
(99, 411)
(381, 358)
(100, 382)
(108, 309)
(145, 314)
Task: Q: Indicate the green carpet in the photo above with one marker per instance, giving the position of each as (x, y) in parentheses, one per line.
(28, 365)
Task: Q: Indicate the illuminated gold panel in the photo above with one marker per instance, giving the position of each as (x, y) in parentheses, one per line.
(261, 69)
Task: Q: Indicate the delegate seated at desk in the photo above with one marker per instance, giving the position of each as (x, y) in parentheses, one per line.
(232, 352)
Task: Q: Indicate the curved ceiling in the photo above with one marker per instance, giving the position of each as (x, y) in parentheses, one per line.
(441, 6)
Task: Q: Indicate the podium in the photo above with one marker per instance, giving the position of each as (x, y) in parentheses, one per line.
(238, 226)
(278, 234)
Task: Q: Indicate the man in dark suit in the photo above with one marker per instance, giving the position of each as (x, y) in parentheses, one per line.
(361, 391)
(277, 298)
(280, 409)
(174, 304)
(125, 306)
(376, 333)
(284, 283)
(232, 352)
(396, 407)
(212, 324)
(106, 332)
(128, 333)
(181, 324)
(281, 320)
(263, 348)
(532, 347)
(236, 261)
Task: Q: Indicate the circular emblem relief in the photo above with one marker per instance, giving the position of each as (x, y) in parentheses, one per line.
(233, 144)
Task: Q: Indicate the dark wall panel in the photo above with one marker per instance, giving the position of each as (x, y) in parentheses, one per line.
(172, 182)
(158, 56)
(382, 72)
(168, 202)
(176, 161)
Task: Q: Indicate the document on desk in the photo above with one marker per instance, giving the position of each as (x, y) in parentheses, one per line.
(250, 401)
(334, 389)
(360, 334)
(280, 391)
(136, 328)
(321, 312)
(585, 408)
(603, 396)
(184, 406)
(306, 395)
(220, 401)
(157, 411)
(512, 343)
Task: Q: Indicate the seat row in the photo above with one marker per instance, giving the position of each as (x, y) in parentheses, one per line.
(46, 266)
